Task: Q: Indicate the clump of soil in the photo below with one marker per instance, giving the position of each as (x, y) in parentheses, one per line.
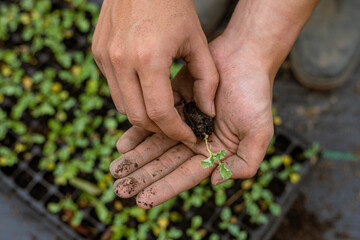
(198, 121)
(300, 224)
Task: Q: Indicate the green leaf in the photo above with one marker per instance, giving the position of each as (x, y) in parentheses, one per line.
(196, 222)
(19, 128)
(267, 195)
(174, 69)
(101, 211)
(121, 218)
(174, 233)
(275, 209)
(64, 59)
(225, 172)
(252, 209)
(214, 236)
(220, 155)
(243, 235)
(209, 162)
(225, 214)
(110, 123)
(136, 211)
(265, 166)
(296, 167)
(312, 151)
(265, 179)
(234, 229)
(276, 161)
(284, 175)
(108, 195)
(77, 218)
(54, 207)
(259, 219)
(220, 197)
(85, 186)
(37, 138)
(121, 118)
(256, 192)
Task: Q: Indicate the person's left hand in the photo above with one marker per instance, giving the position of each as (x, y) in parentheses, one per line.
(159, 168)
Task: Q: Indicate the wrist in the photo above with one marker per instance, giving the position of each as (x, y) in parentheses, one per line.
(264, 31)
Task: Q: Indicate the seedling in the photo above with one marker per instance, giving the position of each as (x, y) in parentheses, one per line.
(203, 126)
(210, 161)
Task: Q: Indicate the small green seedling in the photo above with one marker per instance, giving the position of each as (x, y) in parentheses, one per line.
(209, 162)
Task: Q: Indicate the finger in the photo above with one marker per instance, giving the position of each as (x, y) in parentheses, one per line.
(96, 44)
(159, 102)
(150, 149)
(129, 87)
(131, 138)
(206, 78)
(245, 163)
(153, 171)
(115, 91)
(104, 64)
(188, 175)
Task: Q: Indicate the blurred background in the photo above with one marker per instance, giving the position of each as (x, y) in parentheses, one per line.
(58, 129)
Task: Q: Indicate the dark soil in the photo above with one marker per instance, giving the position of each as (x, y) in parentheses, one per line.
(300, 224)
(198, 121)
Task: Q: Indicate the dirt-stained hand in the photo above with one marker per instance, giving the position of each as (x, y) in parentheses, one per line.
(134, 44)
(159, 168)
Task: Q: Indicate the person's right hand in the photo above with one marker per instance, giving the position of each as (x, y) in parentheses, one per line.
(134, 44)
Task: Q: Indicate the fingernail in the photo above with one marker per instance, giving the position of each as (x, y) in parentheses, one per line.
(190, 141)
(220, 181)
(213, 108)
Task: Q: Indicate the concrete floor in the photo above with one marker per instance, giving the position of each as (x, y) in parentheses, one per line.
(332, 119)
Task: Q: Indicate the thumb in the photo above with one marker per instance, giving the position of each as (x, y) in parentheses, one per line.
(206, 78)
(245, 163)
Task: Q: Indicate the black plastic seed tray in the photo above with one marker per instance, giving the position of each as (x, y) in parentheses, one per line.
(286, 143)
(31, 185)
(36, 188)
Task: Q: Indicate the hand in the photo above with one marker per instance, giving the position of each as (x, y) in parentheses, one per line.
(134, 44)
(160, 168)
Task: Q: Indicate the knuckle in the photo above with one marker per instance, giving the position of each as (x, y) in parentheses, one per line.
(157, 113)
(144, 56)
(116, 55)
(140, 120)
(135, 119)
(145, 53)
(120, 108)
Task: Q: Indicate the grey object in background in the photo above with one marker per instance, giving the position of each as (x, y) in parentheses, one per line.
(19, 222)
(332, 119)
(211, 13)
(328, 49)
